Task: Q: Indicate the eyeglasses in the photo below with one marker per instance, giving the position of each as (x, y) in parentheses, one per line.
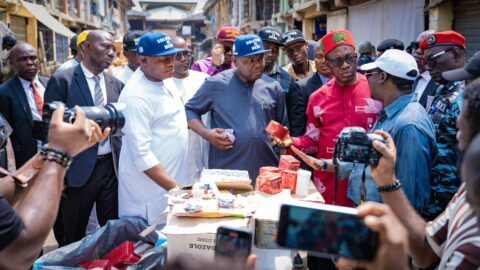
(431, 61)
(178, 56)
(349, 59)
(368, 74)
(293, 50)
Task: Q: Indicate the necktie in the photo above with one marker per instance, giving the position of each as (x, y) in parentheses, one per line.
(99, 99)
(38, 98)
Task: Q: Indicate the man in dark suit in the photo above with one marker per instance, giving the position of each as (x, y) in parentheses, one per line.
(21, 101)
(92, 176)
(315, 81)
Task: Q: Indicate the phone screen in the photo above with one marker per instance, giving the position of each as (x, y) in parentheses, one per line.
(233, 243)
(327, 233)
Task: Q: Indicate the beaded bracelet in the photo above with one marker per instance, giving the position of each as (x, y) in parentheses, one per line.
(390, 188)
(54, 155)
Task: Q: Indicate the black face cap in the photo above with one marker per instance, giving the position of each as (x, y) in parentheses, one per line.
(292, 36)
(270, 34)
(470, 71)
(130, 40)
(390, 43)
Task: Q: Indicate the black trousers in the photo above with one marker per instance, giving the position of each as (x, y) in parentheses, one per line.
(75, 208)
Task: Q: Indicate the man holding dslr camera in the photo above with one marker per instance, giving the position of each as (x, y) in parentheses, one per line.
(24, 227)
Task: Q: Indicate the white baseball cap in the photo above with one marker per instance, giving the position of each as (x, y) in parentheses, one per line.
(395, 62)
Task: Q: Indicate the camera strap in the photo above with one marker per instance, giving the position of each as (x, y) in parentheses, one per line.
(335, 183)
(363, 188)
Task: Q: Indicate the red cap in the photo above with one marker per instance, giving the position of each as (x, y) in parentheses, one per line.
(334, 39)
(446, 38)
(227, 33)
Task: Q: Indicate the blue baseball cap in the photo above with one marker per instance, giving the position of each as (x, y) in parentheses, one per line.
(156, 44)
(246, 45)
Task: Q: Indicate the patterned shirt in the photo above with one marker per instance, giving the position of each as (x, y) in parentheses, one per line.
(445, 181)
(289, 68)
(205, 66)
(455, 235)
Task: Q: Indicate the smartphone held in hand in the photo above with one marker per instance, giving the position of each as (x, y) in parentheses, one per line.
(326, 230)
(233, 244)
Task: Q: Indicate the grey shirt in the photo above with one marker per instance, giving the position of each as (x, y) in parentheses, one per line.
(245, 108)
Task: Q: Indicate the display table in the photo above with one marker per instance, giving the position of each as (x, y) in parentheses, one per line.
(195, 237)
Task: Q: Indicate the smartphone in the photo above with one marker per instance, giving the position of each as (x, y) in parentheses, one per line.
(326, 231)
(233, 244)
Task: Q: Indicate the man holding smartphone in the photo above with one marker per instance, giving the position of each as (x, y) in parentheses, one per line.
(221, 58)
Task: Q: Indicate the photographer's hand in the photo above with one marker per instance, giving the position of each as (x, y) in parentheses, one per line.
(73, 139)
(384, 172)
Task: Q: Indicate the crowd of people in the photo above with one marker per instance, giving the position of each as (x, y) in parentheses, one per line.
(180, 117)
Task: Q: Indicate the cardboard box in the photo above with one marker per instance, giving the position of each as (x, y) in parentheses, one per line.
(276, 130)
(193, 238)
(289, 180)
(288, 162)
(270, 182)
(269, 169)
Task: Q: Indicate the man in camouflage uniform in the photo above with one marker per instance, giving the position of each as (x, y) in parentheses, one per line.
(444, 51)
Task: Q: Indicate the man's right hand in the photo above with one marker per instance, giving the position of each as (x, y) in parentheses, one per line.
(217, 54)
(384, 172)
(285, 143)
(219, 139)
(73, 139)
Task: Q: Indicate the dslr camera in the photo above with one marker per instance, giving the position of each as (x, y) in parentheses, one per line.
(110, 115)
(355, 145)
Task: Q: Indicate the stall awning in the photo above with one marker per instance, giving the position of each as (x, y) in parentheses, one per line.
(42, 15)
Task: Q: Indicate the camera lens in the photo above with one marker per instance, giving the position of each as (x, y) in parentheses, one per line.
(109, 116)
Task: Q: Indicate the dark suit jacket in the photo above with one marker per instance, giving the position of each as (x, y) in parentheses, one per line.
(430, 90)
(70, 87)
(16, 110)
(308, 86)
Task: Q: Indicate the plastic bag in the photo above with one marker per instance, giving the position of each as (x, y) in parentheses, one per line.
(95, 245)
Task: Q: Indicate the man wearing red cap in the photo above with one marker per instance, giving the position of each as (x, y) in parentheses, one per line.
(342, 102)
(444, 51)
(221, 58)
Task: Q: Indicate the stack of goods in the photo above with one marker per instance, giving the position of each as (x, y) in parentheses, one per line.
(228, 179)
(272, 179)
(205, 200)
(121, 257)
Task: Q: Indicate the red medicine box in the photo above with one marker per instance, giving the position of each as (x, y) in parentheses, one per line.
(270, 183)
(97, 264)
(289, 180)
(122, 255)
(269, 169)
(288, 162)
(277, 130)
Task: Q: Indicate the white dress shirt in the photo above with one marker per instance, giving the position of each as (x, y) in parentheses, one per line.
(423, 80)
(27, 87)
(155, 132)
(197, 146)
(104, 147)
(124, 74)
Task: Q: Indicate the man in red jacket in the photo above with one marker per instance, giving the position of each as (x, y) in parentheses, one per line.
(342, 102)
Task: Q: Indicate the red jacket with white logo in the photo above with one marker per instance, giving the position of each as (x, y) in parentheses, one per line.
(330, 109)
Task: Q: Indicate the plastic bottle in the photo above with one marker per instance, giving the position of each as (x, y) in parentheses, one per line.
(303, 180)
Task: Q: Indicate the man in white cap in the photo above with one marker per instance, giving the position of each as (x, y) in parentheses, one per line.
(390, 79)
(154, 151)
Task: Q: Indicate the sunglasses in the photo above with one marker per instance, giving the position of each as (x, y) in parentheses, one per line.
(349, 59)
(178, 56)
(431, 61)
